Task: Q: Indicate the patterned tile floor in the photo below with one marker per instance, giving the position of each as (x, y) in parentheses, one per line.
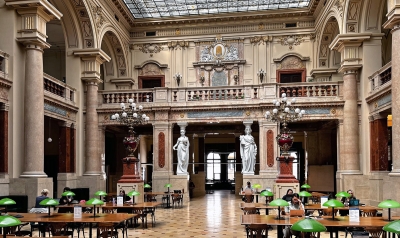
(214, 215)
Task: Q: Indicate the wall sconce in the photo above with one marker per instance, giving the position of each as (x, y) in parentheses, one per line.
(202, 79)
(178, 78)
(261, 75)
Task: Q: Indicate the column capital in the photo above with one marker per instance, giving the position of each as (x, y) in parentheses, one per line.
(35, 14)
(92, 59)
(349, 69)
(393, 15)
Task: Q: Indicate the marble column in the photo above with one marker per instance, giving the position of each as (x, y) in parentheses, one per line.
(349, 153)
(396, 100)
(92, 162)
(34, 112)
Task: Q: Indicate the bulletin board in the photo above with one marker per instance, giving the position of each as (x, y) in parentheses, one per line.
(321, 178)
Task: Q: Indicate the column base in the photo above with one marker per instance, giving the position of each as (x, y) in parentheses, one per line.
(92, 173)
(32, 187)
(33, 174)
(280, 189)
(127, 187)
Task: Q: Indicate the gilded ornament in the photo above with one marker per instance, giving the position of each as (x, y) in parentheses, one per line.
(182, 115)
(333, 111)
(248, 113)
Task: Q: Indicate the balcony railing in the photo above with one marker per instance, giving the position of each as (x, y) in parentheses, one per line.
(224, 93)
(58, 88)
(381, 77)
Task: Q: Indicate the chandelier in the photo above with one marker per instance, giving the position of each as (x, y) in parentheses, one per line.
(283, 113)
(131, 116)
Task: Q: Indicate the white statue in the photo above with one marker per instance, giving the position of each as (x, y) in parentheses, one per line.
(182, 148)
(248, 151)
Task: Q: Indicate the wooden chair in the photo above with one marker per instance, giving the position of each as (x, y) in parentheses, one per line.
(105, 230)
(257, 231)
(250, 210)
(107, 210)
(177, 199)
(248, 198)
(59, 229)
(375, 232)
(369, 212)
(16, 231)
(142, 215)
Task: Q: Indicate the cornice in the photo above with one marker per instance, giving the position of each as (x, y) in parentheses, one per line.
(123, 9)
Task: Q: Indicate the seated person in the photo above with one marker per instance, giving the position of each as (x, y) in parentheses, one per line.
(40, 198)
(248, 193)
(288, 196)
(346, 202)
(294, 204)
(65, 200)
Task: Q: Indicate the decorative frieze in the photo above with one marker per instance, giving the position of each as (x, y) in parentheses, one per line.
(174, 45)
(55, 109)
(208, 114)
(291, 40)
(151, 48)
(258, 40)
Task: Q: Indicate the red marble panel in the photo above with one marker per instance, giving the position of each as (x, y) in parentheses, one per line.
(378, 145)
(270, 148)
(161, 149)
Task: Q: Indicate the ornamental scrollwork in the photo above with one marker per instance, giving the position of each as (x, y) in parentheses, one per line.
(258, 40)
(178, 45)
(291, 40)
(151, 48)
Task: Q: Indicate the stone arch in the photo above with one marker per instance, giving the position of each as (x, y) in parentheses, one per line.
(151, 67)
(329, 31)
(119, 52)
(371, 17)
(351, 18)
(84, 18)
(70, 24)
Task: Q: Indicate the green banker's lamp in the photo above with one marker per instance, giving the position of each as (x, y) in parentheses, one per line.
(342, 194)
(133, 194)
(256, 186)
(308, 225)
(266, 194)
(306, 186)
(333, 203)
(100, 193)
(67, 194)
(94, 202)
(168, 185)
(279, 203)
(389, 203)
(49, 202)
(7, 221)
(393, 227)
(304, 194)
(6, 202)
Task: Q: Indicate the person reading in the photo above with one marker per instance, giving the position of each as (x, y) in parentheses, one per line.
(295, 208)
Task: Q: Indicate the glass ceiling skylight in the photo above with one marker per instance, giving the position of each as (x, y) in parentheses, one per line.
(171, 8)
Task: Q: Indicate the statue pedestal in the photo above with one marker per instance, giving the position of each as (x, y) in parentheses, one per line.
(130, 170)
(286, 170)
(181, 182)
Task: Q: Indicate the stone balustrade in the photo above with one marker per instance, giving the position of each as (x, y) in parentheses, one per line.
(58, 88)
(381, 77)
(224, 93)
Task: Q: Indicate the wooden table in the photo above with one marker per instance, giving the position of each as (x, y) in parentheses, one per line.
(148, 207)
(326, 221)
(69, 218)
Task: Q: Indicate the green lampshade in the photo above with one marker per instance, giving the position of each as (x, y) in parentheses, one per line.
(94, 201)
(7, 221)
(100, 193)
(304, 194)
(168, 185)
(393, 226)
(308, 225)
(256, 185)
(279, 203)
(267, 193)
(49, 202)
(133, 193)
(389, 203)
(343, 194)
(147, 185)
(333, 203)
(305, 186)
(68, 193)
(7, 201)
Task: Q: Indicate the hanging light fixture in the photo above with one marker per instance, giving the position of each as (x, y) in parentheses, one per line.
(49, 139)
